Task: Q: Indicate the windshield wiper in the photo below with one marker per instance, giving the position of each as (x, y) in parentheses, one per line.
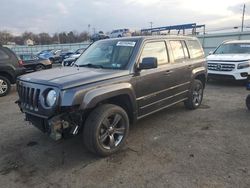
(91, 66)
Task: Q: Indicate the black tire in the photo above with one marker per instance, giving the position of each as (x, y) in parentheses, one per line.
(195, 95)
(5, 86)
(248, 102)
(98, 130)
(39, 67)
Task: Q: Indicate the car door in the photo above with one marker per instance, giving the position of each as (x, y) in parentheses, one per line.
(152, 85)
(181, 69)
(29, 61)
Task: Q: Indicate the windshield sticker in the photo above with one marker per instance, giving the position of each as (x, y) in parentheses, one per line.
(126, 43)
(116, 65)
(245, 46)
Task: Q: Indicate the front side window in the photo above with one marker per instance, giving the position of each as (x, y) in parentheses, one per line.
(107, 54)
(3, 55)
(233, 48)
(157, 50)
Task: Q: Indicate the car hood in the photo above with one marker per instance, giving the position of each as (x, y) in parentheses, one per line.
(67, 77)
(228, 57)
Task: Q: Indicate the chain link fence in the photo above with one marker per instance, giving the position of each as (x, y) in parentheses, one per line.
(37, 48)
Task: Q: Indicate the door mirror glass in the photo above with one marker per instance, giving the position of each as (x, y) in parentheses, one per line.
(148, 63)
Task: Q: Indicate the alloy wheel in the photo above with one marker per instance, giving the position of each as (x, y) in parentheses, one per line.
(3, 86)
(197, 95)
(112, 131)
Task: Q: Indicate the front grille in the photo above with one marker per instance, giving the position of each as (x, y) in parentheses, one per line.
(29, 97)
(221, 76)
(220, 67)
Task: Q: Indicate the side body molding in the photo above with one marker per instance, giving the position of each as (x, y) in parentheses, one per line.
(93, 97)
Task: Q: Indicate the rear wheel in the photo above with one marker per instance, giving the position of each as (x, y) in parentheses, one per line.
(248, 102)
(195, 95)
(5, 86)
(39, 67)
(106, 129)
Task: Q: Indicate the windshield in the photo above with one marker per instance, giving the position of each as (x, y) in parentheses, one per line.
(108, 54)
(233, 48)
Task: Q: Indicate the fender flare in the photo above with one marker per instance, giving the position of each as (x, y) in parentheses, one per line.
(95, 96)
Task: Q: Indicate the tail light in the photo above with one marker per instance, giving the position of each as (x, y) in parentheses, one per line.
(20, 63)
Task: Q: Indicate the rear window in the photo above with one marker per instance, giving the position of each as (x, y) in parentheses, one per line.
(3, 55)
(195, 49)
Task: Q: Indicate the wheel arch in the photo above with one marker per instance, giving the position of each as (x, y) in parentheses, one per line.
(202, 78)
(8, 76)
(119, 94)
(200, 74)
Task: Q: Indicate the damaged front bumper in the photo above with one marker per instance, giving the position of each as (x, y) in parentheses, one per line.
(57, 127)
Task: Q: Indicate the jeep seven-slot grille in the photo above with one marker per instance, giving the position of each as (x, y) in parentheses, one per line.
(29, 96)
(220, 67)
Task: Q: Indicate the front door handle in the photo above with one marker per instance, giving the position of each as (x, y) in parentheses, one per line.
(190, 66)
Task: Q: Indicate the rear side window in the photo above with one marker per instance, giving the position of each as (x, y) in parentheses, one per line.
(195, 49)
(179, 50)
(3, 55)
(157, 50)
(27, 57)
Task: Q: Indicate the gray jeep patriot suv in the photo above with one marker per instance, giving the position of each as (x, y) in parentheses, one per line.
(114, 83)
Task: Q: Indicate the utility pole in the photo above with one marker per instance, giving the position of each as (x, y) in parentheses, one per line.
(243, 17)
(151, 26)
(89, 28)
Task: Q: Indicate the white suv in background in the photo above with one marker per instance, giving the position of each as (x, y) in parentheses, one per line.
(231, 60)
(120, 33)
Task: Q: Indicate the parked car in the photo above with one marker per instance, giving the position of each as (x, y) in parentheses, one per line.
(65, 54)
(73, 57)
(231, 60)
(46, 54)
(98, 36)
(114, 83)
(35, 63)
(10, 68)
(248, 96)
(120, 33)
(53, 55)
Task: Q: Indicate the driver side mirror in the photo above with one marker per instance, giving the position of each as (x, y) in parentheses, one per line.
(211, 52)
(148, 63)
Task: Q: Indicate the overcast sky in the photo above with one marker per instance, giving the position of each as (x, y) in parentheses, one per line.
(65, 15)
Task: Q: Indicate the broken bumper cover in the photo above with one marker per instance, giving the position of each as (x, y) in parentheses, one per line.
(56, 127)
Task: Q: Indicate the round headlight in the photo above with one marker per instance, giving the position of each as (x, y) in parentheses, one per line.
(51, 98)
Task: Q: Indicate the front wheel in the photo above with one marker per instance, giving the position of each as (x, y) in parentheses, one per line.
(195, 95)
(5, 86)
(106, 129)
(248, 102)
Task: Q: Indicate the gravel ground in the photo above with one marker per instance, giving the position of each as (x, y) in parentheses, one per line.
(208, 147)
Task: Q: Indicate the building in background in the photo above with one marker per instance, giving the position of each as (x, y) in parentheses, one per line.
(29, 42)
